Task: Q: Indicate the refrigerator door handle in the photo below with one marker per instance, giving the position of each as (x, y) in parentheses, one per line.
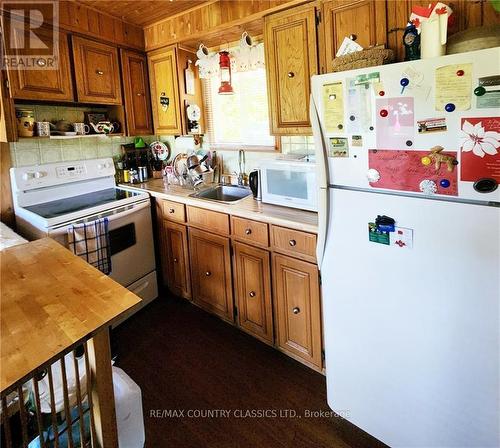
(322, 179)
(323, 213)
(319, 145)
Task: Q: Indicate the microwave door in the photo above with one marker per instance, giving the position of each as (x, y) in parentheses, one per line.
(291, 186)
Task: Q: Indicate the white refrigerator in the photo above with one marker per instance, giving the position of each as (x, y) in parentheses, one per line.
(408, 247)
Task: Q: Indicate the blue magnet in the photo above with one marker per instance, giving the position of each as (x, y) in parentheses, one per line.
(445, 183)
(450, 107)
(404, 82)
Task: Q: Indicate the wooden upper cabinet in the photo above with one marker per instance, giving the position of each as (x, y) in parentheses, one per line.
(210, 259)
(97, 72)
(364, 21)
(297, 308)
(252, 271)
(177, 263)
(165, 91)
(290, 42)
(136, 93)
(44, 84)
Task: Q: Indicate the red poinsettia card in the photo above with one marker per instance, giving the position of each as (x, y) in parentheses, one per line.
(480, 153)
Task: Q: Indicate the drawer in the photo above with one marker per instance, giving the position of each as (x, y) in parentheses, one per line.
(294, 242)
(253, 232)
(209, 220)
(174, 211)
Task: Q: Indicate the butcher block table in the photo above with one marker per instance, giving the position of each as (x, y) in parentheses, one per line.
(52, 301)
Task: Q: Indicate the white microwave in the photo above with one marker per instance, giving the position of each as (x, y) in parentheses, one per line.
(290, 183)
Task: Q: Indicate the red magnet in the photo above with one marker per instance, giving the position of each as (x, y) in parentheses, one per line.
(381, 93)
(460, 73)
(384, 113)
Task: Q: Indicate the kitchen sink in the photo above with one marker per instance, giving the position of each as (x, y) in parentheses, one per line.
(223, 193)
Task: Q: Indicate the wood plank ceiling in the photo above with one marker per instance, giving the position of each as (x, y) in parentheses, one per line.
(142, 12)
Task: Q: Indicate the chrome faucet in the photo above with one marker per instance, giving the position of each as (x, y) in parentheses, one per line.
(241, 165)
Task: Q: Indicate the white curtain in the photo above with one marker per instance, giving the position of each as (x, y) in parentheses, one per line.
(242, 59)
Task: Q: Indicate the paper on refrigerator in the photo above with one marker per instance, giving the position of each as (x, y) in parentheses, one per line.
(359, 107)
(453, 85)
(333, 104)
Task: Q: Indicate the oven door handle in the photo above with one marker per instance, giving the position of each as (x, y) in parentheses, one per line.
(128, 210)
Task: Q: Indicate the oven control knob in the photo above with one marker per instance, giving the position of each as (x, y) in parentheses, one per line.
(107, 165)
(100, 166)
(28, 176)
(40, 174)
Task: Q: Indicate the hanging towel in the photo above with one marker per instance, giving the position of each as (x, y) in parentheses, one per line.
(90, 241)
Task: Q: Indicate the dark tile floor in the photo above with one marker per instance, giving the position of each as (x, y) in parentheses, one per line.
(188, 362)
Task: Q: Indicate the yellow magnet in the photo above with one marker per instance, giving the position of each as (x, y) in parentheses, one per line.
(426, 160)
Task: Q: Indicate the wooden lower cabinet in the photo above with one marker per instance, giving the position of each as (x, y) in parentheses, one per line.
(210, 259)
(297, 309)
(177, 274)
(252, 271)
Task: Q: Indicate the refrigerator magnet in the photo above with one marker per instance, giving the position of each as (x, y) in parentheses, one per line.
(338, 147)
(401, 238)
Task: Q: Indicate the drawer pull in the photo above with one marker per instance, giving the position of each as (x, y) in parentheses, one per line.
(208, 273)
(353, 36)
(296, 310)
(99, 72)
(292, 243)
(175, 260)
(251, 293)
(290, 74)
(171, 210)
(248, 231)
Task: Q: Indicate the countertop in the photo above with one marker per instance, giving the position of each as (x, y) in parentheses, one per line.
(51, 299)
(247, 208)
(9, 238)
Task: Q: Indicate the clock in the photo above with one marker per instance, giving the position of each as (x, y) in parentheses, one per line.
(411, 42)
(193, 113)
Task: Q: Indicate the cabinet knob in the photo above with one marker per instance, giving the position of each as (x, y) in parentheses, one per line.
(41, 62)
(290, 74)
(296, 310)
(175, 260)
(99, 72)
(251, 293)
(353, 36)
(248, 231)
(208, 273)
(171, 210)
(292, 243)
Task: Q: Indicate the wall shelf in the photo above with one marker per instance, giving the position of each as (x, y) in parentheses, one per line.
(68, 137)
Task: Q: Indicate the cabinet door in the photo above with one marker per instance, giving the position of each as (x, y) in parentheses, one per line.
(363, 21)
(97, 72)
(211, 273)
(136, 92)
(253, 291)
(291, 58)
(177, 265)
(53, 85)
(297, 305)
(165, 91)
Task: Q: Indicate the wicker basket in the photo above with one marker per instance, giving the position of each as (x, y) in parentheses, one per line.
(362, 59)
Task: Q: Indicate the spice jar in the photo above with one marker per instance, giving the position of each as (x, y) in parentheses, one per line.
(25, 122)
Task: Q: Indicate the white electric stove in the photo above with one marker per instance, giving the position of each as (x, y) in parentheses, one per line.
(49, 198)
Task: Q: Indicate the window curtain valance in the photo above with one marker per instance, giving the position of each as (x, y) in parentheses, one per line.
(243, 59)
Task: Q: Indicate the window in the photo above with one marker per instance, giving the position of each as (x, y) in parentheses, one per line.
(240, 120)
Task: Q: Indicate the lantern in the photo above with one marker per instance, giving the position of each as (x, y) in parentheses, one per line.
(225, 74)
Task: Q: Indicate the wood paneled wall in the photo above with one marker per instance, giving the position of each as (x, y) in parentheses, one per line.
(217, 17)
